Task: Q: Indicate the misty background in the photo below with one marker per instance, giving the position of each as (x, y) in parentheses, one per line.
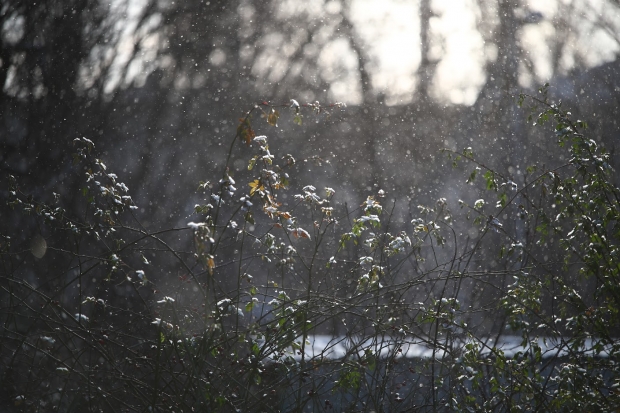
(159, 86)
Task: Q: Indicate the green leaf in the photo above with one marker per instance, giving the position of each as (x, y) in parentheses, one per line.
(503, 199)
(473, 175)
(249, 217)
(490, 180)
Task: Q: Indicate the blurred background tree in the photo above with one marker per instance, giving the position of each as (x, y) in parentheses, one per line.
(159, 86)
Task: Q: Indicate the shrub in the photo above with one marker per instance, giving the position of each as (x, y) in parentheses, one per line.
(278, 297)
